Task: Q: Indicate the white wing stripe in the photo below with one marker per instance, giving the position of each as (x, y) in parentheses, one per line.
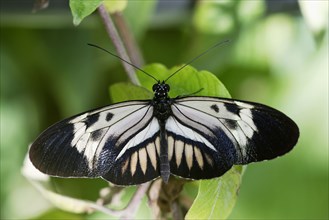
(119, 115)
(125, 121)
(79, 130)
(194, 117)
(148, 132)
(244, 105)
(201, 121)
(177, 128)
(91, 148)
(246, 116)
(246, 128)
(137, 126)
(81, 144)
(205, 107)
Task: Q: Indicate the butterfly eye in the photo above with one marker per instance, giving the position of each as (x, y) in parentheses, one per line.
(167, 87)
(155, 87)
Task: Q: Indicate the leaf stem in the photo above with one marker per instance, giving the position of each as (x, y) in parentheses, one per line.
(114, 36)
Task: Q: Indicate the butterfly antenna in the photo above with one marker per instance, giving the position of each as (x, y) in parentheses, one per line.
(197, 57)
(133, 65)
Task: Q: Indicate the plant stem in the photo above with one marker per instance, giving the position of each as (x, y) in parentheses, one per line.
(129, 211)
(114, 36)
(176, 211)
(128, 40)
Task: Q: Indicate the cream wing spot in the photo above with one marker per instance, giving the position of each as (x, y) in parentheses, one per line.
(209, 160)
(189, 155)
(133, 163)
(143, 159)
(125, 166)
(157, 145)
(152, 155)
(198, 156)
(179, 148)
(170, 147)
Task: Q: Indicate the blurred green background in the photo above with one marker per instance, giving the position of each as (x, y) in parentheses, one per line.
(278, 55)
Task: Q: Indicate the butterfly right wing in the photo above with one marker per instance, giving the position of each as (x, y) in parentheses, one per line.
(207, 135)
(117, 142)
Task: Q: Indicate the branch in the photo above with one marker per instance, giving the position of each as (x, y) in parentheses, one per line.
(114, 36)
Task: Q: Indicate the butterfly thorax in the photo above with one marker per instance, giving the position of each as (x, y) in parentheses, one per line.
(161, 101)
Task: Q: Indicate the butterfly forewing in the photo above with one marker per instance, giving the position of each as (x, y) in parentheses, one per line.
(95, 143)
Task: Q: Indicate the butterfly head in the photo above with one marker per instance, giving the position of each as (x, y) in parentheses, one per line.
(161, 90)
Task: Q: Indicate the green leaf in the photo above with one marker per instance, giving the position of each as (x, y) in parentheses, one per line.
(216, 197)
(185, 82)
(115, 5)
(126, 91)
(58, 214)
(82, 8)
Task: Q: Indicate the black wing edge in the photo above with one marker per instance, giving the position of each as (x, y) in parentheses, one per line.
(277, 134)
(52, 153)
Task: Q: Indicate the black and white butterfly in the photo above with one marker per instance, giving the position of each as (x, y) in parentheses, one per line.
(136, 141)
(132, 142)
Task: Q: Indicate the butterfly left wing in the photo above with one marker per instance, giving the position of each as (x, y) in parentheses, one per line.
(117, 142)
(206, 135)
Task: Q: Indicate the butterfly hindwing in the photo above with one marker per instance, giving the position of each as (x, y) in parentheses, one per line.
(207, 150)
(191, 157)
(95, 143)
(230, 132)
(139, 164)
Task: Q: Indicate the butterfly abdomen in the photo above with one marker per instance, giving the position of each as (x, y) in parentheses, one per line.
(164, 162)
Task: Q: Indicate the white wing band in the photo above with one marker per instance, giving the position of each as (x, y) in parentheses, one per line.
(175, 127)
(148, 132)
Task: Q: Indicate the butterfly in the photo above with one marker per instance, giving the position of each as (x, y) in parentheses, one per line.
(192, 137)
